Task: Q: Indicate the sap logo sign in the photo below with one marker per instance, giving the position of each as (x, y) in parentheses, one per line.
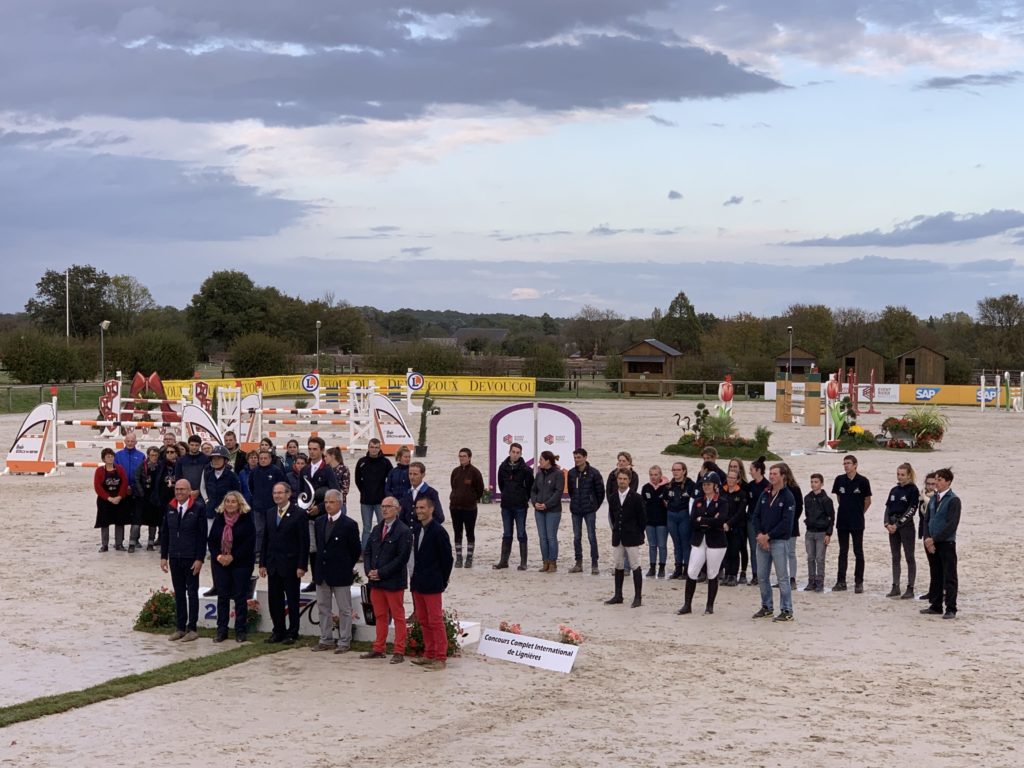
(926, 393)
(989, 392)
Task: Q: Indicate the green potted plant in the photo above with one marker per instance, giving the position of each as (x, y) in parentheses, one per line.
(420, 449)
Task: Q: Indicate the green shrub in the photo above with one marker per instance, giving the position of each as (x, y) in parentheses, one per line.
(423, 357)
(157, 612)
(613, 370)
(167, 352)
(546, 363)
(717, 426)
(31, 357)
(257, 354)
(761, 437)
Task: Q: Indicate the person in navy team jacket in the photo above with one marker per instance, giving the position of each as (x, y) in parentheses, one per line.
(284, 560)
(182, 552)
(232, 559)
(432, 553)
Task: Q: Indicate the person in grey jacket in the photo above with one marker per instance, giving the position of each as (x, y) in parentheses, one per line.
(546, 498)
(586, 494)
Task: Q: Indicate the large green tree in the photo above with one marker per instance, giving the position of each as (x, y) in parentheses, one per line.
(85, 294)
(680, 325)
(227, 305)
(128, 299)
(1002, 321)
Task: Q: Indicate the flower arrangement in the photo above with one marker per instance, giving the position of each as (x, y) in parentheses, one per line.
(452, 629)
(158, 611)
(488, 495)
(856, 429)
(506, 626)
(920, 427)
(569, 636)
(357, 577)
(252, 615)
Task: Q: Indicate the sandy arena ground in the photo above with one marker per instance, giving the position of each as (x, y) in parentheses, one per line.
(855, 680)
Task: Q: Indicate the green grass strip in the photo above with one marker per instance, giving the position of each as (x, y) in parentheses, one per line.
(171, 673)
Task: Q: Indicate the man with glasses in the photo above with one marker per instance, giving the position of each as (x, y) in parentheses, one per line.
(385, 562)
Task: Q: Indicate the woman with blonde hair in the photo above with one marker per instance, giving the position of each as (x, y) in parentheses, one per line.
(900, 507)
(232, 543)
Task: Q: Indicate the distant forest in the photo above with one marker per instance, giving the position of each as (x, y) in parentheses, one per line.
(232, 318)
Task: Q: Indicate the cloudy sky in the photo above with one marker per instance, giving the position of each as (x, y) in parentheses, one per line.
(520, 155)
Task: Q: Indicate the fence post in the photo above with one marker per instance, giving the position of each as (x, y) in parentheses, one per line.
(74, 395)
(10, 401)
(704, 389)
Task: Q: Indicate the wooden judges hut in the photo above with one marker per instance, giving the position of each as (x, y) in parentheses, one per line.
(921, 365)
(647, 364)
(862, 361)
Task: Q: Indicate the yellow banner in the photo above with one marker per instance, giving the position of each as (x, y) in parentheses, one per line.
(439, 386)
(946, 394)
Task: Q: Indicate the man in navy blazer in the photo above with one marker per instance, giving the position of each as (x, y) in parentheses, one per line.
(284, 559)
(385, 562)
(433, 562)
(418, 488)
(323, 479)
(337, 552)
(182, 552)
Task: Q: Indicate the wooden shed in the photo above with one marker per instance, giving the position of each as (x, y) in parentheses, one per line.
(862, 361)
(921, 365)
(645, 365)
(803, 361)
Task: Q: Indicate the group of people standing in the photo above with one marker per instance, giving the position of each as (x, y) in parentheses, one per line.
(723, 520)
(284, 516)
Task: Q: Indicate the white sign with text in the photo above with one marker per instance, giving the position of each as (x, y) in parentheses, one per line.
(532, 651)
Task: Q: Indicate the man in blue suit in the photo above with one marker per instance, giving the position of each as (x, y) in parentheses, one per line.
(182, 552)
(419, 489)
(284, 559)
(337, 552)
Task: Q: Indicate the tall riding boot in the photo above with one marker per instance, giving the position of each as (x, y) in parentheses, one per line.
(458, 554)
(469, 554)
(691, 587)
(615, 599)
(638, 587)
(506, 550)
(522, 555)
(712, 592)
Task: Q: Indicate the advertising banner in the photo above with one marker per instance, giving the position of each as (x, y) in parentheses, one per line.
(439, 386)
(537, 427)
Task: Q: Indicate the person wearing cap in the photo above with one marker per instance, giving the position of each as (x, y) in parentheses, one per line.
(709, 521)
(217, 479)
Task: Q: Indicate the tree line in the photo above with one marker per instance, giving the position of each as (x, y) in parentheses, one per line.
(259, 330)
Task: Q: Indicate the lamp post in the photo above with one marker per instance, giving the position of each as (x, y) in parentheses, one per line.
(316, 368)
(789, 370)
(104, 325)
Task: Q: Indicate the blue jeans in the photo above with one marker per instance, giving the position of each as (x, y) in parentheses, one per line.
(791, 555)
(508, 516)
(679, 530)
(577, 536)
(657, 543)
(547, 529)
(369, 512)
(777, 554)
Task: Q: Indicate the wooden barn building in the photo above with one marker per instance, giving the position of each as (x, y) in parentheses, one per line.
(921, 365)
(645, 365)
